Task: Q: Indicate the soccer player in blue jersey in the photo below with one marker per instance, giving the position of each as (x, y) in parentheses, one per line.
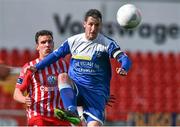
(88, 79)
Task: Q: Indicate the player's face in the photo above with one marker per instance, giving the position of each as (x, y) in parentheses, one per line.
(92, 27)
(45, 45)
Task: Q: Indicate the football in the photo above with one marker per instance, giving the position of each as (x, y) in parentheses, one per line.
(129, 16)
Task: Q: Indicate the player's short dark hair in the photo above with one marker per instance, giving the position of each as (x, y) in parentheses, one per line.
(93, 13)
(42, 33)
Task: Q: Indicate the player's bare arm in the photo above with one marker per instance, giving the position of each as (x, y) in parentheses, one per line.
(19, 96)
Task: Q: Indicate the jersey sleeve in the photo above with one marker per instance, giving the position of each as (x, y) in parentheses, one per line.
(115, 51)
(23, 80)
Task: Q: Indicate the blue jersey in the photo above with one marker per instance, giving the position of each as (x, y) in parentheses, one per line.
(90, 63)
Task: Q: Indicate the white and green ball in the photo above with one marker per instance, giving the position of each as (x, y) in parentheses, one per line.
(129, 16)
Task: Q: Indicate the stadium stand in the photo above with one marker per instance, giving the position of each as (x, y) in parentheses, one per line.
(3, 55)
(152, 86)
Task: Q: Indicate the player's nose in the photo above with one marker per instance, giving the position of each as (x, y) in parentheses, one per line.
(47, 43)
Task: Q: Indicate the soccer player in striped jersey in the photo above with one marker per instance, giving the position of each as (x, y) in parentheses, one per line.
(43, 95)
(89, 71)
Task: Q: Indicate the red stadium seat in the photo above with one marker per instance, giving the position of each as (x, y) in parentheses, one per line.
(14, 58)
(4, 56)
(27, 56)
(152, 85)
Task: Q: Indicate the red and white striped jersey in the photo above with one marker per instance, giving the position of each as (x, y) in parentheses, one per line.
(42, 87)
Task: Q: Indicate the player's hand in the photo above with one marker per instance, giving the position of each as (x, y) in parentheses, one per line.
(111, 101)
(121, 71)
(28, 101)
(30, 68)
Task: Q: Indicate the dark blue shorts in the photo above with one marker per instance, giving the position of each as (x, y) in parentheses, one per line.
(93, 103)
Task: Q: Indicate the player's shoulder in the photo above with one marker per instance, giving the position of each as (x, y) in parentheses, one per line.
(105, 37)
(76, 37)
(31, 63)
(24, 68)
(105, 40)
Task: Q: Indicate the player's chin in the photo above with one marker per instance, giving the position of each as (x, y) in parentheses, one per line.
(47, 52)
(92, 36)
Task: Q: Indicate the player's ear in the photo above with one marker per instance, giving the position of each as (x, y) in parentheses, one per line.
(84, 24)
(37, 47)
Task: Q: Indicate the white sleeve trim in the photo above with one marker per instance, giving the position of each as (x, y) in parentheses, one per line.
(116, 53)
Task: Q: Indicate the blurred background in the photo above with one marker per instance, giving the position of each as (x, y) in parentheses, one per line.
(148, 96)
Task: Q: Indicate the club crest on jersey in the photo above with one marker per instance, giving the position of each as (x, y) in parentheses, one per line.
(19, 81)
(98, 54)
(75, 52)
(52, 79)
